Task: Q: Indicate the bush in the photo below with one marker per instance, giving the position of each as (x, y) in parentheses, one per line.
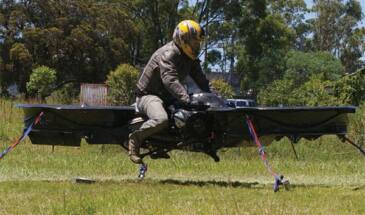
(41, 82)
(223, 88)
(351, 88)
(279, 92)
(122, 83)
(316, 91)
(68, 94)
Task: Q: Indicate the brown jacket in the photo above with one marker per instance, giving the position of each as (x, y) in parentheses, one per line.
(165, 72)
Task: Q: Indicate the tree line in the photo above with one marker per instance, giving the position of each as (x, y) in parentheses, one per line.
(280, 50)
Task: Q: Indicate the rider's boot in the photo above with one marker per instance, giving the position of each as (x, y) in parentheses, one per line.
(134, 146)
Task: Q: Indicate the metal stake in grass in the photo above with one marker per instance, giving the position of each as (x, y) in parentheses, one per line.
(142, 171)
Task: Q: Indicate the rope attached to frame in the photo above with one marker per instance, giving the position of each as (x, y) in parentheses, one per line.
(25, 134)
(279, 179)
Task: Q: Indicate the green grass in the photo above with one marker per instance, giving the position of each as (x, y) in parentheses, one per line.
(328, 178)
(158, 197)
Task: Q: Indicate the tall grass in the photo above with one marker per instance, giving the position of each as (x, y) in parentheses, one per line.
(357, 125)
(10, 120)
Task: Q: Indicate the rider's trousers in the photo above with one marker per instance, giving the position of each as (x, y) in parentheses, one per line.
(152, 106)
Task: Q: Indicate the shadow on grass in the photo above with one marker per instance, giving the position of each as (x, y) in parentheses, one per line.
(180, 182)
(234, 184)
(211, 182)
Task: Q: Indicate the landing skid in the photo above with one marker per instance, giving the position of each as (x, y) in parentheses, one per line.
(346, 139)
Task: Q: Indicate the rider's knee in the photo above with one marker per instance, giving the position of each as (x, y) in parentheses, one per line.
(162, 123)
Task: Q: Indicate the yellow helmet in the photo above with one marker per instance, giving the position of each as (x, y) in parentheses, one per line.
(188, 35)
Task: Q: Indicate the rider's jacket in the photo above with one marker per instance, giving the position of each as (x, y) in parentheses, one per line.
(165, 72)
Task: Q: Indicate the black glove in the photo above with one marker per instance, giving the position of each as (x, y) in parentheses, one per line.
(191, 105)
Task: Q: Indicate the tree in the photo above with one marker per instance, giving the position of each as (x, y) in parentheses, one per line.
(121, 83)
(155, 21)
(309, 79)
(265, 40)
(21, 61)
(300, 66)
(336, 30)
(12, 21)
(293, 12)
(220, 20)
(82, 40)
(89, 38)
(41, 82)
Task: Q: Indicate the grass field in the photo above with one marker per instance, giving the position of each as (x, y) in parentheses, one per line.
(328, 178)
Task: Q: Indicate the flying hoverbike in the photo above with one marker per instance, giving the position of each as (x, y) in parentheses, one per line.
(205, 127)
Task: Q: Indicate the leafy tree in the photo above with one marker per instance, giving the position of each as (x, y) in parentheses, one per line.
(354, 50)
(265, 40)
(42, 81)
(215, 57)
(12, 21)
(90, 38)
(155, 21)
(220, 20)
(309, 79)
(293, 13)
(82, 40)
(121, 83)
(21, 61)
(336, 30)
(300, 66)
(223, 88)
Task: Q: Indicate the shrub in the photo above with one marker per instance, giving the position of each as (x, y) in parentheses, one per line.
(279, 92)
(41, 82)
(122, 83)
(223, 88)
(68, 94)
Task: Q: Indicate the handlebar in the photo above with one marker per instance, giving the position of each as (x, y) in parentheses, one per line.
(198, 106)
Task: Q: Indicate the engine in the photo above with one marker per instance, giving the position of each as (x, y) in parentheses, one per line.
(191, 124)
